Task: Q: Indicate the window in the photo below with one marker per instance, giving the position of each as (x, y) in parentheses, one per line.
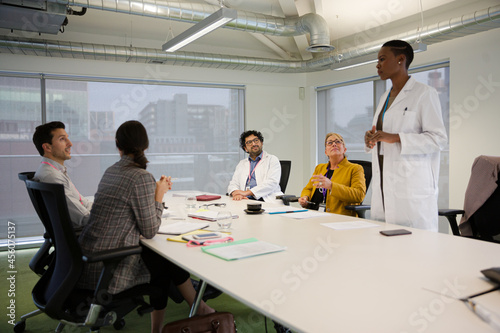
(193, 133)
(348, 109)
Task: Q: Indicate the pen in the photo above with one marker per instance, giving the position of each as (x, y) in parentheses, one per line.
(487, 316)
(289, 211)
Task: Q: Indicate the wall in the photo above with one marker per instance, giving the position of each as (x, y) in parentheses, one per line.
(474, 99)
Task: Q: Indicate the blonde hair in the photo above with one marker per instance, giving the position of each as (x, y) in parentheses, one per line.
(337, 136)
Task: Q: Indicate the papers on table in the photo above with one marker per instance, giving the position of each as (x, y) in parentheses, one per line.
(209, 215)
(284, 209)
(178, 228)
(349, 225)
(242, 249)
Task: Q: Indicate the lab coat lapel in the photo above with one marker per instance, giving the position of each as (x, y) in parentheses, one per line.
(400, 98)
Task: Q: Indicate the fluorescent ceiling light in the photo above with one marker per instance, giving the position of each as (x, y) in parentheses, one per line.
(220, 17)
(370, 58)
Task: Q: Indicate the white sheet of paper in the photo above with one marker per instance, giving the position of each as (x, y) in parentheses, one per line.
(246, 250)
(349, 225)
(179, 228)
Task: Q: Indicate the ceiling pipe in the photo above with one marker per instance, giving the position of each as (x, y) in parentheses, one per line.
(478, 21)
(310, 23)
(472, 23)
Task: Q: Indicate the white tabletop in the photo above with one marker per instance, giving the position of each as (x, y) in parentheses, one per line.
(346, 280)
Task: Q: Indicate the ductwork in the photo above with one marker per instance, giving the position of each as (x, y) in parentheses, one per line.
(472, 23)
(311, 23)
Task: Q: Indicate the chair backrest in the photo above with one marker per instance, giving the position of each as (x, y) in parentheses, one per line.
(56, 285)
(285, 174)
(367, 168)
(484, 222)
(43, 257)
(36, 201)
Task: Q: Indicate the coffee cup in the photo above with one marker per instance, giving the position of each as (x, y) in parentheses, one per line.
(254, 207)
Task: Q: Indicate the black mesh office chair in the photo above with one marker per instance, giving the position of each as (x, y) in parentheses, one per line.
(285, 174)
(42, 258)
(56, 294)
(367, 168)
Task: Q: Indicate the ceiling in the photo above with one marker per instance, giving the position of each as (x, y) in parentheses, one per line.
(350, 24)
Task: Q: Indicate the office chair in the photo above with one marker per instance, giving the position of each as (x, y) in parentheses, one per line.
(285, 174)
(482, 212)
(42, 258)
(367, 168)
(56, 294)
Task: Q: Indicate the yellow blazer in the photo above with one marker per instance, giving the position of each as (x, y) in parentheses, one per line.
(348, 187)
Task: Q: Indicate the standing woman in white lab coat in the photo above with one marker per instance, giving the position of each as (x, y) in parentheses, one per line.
(406, 138)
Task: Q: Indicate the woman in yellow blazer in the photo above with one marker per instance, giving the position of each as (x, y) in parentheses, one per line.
(337, 183)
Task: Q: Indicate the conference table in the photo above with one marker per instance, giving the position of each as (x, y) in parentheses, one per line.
(350, 280)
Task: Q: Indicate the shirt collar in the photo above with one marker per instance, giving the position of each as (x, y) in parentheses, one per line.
(56, 165)
(257, 159)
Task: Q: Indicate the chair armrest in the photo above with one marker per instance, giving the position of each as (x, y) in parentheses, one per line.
(451, 216)
(450, 212)
(359, 209)
(112, 254)
(110, 258)
(287, 199)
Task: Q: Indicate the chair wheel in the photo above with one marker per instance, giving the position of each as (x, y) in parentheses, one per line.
(119, 324)
(20, 326)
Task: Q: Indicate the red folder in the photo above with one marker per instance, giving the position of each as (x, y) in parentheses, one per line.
(207, 197)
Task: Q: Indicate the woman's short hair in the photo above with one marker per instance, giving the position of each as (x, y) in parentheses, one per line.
(132, 138)
(246, 134)
(401, 47)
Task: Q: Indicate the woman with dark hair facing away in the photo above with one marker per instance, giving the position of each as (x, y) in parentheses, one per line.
(405, 141)
(127, 205)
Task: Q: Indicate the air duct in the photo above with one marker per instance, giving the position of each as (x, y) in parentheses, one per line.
(311, 23)
(472, 23)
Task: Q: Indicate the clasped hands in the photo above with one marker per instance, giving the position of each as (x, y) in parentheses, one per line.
(162, 186)
(373, 136)
(240, 195)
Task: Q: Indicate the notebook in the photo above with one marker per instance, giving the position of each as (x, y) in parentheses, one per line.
(207, 197)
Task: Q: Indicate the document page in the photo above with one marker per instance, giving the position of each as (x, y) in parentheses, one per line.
(178, 228)
(242, 249)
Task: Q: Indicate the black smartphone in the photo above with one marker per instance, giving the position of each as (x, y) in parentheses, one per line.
(395, 232)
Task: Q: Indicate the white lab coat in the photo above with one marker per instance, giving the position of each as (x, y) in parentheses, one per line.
(411, 167)
(267, 175)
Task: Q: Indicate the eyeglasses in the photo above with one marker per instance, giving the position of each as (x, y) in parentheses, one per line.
(219, 204)
(337, 142)
(249, 142)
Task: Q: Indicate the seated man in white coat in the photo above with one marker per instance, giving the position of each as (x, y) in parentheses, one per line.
(258, 176)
